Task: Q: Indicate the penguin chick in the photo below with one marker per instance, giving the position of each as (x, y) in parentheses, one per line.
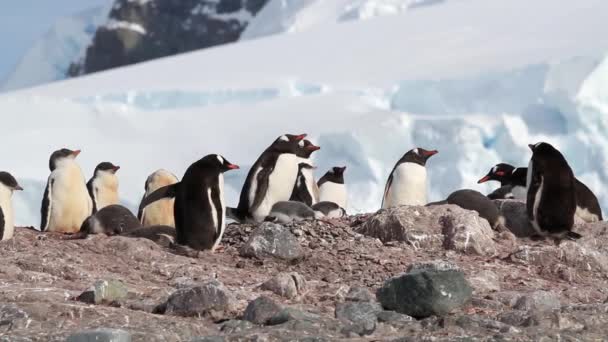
(159, 213)
(288, 211)
(162, 235)
(476, 201)
(110, 220)
(328, 210)
(103, 186)
(8, 184)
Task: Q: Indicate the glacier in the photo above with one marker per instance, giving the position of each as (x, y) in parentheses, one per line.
(365, 101)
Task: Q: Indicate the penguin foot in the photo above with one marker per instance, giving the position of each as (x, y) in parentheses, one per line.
(573, 236)
(219, 249)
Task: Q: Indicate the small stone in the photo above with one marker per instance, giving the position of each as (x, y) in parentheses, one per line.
(538, 301)
(261, 310)
(292, 314)
(235, 326)
(360, 294)
(208, 339)
(100, 335)
(288, 285)
(393, 317)
(272, 240)
(12, 317)
(422, 294)
(209, 298)
(359, 317)
(485, 281)
(105, 291)
(435, 265)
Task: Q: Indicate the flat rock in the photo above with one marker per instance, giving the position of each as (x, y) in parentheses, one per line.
(539, 301)
(210, 298)
(272, 240)
(261, 310)
(422, 294)
(359, 317)
(438, 226)
(100, 335)
(286, 284)
(359, 294)
(105, 292)
(485, 281)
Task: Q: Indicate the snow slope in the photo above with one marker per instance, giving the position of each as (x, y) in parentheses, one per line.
(473, 85)
(50, 57)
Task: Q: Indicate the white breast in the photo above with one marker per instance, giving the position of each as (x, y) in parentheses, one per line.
(105, 189)
(537, 198)
(7, 210)
(310, 183)
(519, 192)
(408, 186)
(161, 211)
(222, 227)
(280, 185)
(333, 192)
(70, 200)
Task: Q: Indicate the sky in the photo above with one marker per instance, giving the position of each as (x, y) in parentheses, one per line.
(23, 21)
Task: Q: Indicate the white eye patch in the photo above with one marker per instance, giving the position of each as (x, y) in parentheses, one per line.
(220, 159)
(284, 138)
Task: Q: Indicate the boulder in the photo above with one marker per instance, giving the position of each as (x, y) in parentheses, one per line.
(100, 335)
(210, 298)
(538, 301)
(288, 285)
(359, 294)
(105, 292)
(261, 310)
(359, 317)
(272, 240)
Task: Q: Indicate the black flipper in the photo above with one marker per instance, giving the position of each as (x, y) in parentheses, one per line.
(45, 208)
(92, 194)
(233, 213)
(1, 223)
(389, 182)
(168, 191)
(262, 187)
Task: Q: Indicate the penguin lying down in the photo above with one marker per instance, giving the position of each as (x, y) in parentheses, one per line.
(289, 211)
(476, 201)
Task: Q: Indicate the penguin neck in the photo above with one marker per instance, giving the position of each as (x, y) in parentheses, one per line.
(7, 210)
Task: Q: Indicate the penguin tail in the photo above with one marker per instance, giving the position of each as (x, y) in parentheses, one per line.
(436, 203)
(168, 191)
(573, 236)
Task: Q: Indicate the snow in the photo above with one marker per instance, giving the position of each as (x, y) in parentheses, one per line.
(50, 57)
(472, 85)
(114, 24)
(242, 16)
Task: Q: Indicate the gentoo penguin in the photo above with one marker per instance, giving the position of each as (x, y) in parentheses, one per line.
(66, 202)
(332, 188)
(512, 181)
(551, 201)
(113, 219)
(200, 212)
(271, 178)
(476, 201)
(406, 184)
(8, 184)
(288, 211)
(303, 190)
(103, 186)
(328, 210)
(159, 213)
(587, 206)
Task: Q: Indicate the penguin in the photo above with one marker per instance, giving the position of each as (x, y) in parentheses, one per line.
(514, 184)
(406, 184)
(199, 210)
(159, 213)
(66, 202)
(113, 219)
(288, 211)
(103, 186)
(8, 184)
(162, 235)
(328, 210)
(271, 178)
(303, 190)
(512, 181)
(304, 157)
(476, 201)
(551, 202)
(332, 188)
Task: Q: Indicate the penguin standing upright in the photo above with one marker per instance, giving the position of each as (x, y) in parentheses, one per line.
(8, 184)
(200, 212)
(303, 190)
(159, 213)
(551, 201)
(332, 188)
(406, 184)
(66, 202)
(271, 178)
(103, 186)
(512, 181)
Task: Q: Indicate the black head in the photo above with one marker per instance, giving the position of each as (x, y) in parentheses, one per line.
(307, 166)
(499, 172)
(61, 155)
(288, 143)
(107, 167)
(218, 163)
(334, 175)
(9, 181)
(544, 154)
(306, 148)
(418, 155)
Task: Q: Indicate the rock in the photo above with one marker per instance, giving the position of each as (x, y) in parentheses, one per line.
(359, 317)
(261, 310)
(208, 339)
(293, 314)
(439, 226)
(393, 317)
(485, 281)
(577, 254)
(234, 326)
(100, 335)
(12, 317)
(360, 294)
(105, 291)
(288, 285)
(422, 294)
(434, 265)
(272, 240)
(538, 301)
(471, 322)
(210, 298)
(516, 217)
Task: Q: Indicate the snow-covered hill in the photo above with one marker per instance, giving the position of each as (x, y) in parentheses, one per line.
(50, 57)
(473, 85)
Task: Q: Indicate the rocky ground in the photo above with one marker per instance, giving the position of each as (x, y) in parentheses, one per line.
(360, 278)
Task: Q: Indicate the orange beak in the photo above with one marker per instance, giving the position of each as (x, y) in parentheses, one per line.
(76, 153)
(483, 180)
(233, 167)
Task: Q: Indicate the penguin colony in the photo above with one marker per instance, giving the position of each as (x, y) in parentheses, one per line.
(281, 187)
